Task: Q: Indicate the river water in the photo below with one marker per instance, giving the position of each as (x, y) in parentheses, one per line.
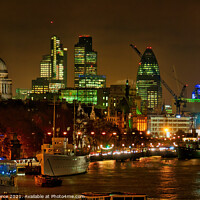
(158, 178)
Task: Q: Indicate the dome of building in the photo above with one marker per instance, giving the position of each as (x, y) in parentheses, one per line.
(3, 68)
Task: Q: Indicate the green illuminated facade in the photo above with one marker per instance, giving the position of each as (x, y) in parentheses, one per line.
(23, 93)
(93, 96)
(92, 81)
(148, 83)
(85, 59)
(87, 96)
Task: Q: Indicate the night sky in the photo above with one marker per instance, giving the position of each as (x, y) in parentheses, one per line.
(171, 28)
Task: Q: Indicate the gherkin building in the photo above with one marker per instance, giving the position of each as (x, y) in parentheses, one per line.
(148, 83)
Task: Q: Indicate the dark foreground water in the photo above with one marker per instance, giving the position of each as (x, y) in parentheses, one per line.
(156, 177)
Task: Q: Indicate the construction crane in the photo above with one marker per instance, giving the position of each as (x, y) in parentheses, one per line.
(178, 99)
(136, 49)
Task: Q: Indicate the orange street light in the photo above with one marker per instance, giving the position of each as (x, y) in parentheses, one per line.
(103, 133)
(49, 133)
(65, 133)
(92, 133)
(114, 133)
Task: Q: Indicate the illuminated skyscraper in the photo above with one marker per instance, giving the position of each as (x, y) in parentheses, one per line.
(85, 59)
(45, 67)
(53, 70)
(148, 83)
(58, 60)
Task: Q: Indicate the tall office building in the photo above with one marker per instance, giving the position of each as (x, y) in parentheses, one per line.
(53, 70)
(85, 58)
(148, 83)
(58, 60)
(45, 67)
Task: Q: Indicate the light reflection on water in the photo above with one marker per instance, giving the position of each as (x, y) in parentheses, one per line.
(156, 177)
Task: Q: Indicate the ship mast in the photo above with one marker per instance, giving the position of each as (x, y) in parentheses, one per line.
(54, 117)
(74, 131)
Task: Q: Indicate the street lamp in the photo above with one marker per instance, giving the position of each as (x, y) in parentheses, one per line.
(114, 134)
(65, 133)
(167, 132)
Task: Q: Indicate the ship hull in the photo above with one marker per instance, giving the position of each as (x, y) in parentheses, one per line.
(62, 165)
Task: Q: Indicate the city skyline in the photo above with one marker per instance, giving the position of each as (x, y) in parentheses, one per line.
(171, 29)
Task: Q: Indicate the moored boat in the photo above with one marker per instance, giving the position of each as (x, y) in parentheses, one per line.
(59, 159)
(47, 181)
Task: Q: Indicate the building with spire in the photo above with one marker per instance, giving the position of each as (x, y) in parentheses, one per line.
(148, 83)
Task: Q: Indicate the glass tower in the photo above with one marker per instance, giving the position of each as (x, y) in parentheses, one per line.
(45, 67)
(148, 83)
(53, 69)
(85, 59)
(58, 61)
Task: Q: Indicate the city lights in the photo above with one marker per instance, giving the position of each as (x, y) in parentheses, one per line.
(128, 130)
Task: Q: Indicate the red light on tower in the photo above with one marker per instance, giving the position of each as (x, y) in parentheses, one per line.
(51, 22)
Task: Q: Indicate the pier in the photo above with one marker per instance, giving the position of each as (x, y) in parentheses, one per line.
(164, 152)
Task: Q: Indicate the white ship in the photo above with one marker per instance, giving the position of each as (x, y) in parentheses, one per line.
(59, 159)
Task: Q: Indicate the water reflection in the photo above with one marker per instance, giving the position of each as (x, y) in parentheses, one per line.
(156, 177)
